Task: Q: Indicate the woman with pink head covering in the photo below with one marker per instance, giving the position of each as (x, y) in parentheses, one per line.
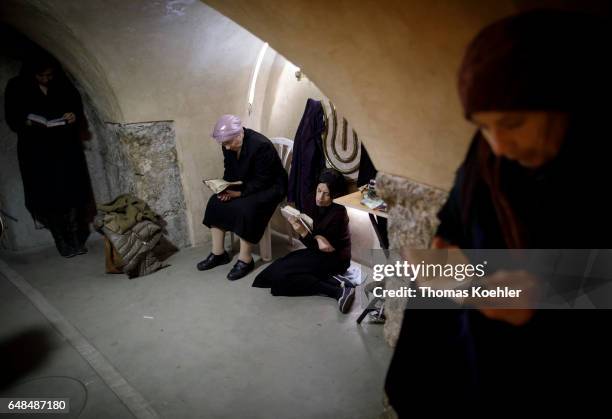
(249, 157)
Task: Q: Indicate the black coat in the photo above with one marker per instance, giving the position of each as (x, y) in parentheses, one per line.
(297, 273)
(264, 185)
(559, 356)
(51, 160)
(308, 159)
(333, 224)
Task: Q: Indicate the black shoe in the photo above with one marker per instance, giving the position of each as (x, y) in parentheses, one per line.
(346, 299)
(77, 244)
(240, 270)
(63, 248)
(213, 260)
(74, 242)
(67, 252)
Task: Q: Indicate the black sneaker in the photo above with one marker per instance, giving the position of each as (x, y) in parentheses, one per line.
(346, 299)
(212, 261)
(345, 283)
(240, 270)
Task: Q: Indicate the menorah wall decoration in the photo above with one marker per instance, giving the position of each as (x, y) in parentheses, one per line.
(343, 157)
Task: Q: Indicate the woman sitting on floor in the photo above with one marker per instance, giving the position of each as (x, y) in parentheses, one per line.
(328, 251)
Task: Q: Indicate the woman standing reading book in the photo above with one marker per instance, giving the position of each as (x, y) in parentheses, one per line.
(244, 209)
(45, 111)
(328, 251)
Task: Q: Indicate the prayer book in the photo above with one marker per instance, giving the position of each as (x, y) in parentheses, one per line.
(46, 122)
(288, 212)
(219, 185)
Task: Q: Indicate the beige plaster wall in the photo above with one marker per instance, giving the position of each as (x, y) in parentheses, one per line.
(286, 98)
(389, 66)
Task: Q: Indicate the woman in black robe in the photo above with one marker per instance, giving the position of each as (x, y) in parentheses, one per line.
(539, 95)
(245, 210)
(51, 161)
(328, 251)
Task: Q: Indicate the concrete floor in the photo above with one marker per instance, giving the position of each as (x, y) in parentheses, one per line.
(192, 344)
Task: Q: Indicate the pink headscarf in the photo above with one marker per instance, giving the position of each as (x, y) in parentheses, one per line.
(226, 128)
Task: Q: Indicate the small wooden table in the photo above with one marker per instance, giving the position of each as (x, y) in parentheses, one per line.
(353, 200)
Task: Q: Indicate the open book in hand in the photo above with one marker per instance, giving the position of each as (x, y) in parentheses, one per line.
(219, 185)
(41, 120)
(288, 212)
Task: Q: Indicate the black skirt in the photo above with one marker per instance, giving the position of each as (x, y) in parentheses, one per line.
(297, 273)
(53, 170)
(246, 217)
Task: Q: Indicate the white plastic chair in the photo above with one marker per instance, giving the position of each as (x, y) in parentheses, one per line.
(284, 147)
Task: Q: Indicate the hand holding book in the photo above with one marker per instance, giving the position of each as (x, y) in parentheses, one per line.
(228, 195)
(219, 185)
(298, 227)
(69, 117)
(300, 222)
(42, 121)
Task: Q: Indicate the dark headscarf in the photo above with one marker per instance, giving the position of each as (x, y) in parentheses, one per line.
(545, 60)
(335, 182)
(37, 62)
(542, 60)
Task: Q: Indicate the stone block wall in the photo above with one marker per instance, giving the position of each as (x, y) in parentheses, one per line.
(413, 209)
(144, 163)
